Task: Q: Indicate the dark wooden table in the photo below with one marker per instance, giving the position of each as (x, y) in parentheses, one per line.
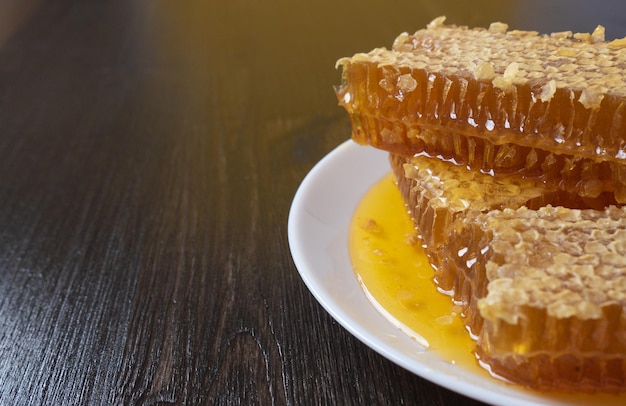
(149, 153)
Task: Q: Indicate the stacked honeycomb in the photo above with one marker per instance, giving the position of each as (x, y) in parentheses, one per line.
(510, 150)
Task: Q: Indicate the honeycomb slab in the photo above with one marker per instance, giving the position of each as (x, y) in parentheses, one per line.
(498, 100)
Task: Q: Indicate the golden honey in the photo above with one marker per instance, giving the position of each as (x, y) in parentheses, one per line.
(397, 276)
(396, 273)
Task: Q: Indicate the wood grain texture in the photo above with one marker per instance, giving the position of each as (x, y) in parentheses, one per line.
(149, 152)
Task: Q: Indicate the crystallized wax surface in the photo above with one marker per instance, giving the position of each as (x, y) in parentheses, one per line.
(552, 314)
(550, 107)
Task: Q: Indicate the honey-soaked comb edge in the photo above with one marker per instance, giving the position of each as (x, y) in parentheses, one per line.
(547, 353)
(438, 193)
(422, 182)
(546, 372)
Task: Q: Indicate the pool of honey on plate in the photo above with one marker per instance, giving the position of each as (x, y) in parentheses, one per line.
(395, 274)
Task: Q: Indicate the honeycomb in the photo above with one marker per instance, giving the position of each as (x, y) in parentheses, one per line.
(548, 289)
(509, 148)
(541, 287)
(499, 101)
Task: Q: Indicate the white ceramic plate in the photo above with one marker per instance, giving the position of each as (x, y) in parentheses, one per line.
(318, 226)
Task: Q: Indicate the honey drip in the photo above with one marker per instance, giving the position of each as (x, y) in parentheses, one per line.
(395, 272)
(396, 275)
